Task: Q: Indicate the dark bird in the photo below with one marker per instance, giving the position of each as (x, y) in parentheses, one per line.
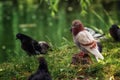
(84, 39)
(115, 32)
(42, 72)
(31, 46)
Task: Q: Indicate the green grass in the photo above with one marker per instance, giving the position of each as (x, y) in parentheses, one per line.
(20, 67)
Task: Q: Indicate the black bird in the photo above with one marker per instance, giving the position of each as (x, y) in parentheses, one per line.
(31, 46)
(42, 73)
(115, 32)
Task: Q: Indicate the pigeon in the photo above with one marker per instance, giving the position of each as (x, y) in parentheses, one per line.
(31, 46)
(84, 40)
(115, 32)
(97, 36)
(42, 72)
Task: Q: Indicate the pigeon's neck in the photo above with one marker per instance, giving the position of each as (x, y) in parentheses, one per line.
(23, 40)
(43, 66)
(77, 30)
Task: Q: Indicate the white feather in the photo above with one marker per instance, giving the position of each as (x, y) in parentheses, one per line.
(84, 37)
(90, 30)
(95, 52)
(98, 36)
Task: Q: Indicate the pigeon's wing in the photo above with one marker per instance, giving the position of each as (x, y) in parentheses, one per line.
(44, 47)
(84, 37)
(36, 46)
(90, 30)
(95, 34)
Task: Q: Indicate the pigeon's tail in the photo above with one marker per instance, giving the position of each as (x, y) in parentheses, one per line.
(96, 53)
(99, 55)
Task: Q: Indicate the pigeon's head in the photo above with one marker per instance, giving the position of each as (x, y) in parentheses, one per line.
(113, 29)
(114, 26)
(43, 63)
(77, 26)
(22, 36)
(19, 36)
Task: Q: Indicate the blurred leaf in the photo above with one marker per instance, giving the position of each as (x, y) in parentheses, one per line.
(83, 13)
(99, 17)
(53, 13)
(111, 21)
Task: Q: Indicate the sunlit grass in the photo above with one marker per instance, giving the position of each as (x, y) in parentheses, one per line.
(59, 64)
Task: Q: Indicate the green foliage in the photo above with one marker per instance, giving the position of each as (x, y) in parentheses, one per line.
(84, 6)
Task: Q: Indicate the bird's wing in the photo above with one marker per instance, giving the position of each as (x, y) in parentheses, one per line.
(95, 34)
(84, 37)
(90, 30)
(36, 46)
